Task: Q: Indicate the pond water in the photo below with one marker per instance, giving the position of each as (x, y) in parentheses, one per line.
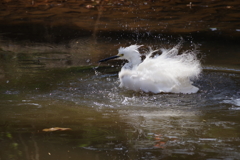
(46, 86)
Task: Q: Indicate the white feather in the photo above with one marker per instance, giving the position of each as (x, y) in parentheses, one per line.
(168, 72)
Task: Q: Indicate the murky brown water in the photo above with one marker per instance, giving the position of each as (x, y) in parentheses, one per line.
(165, 15)
(43, 86)
(58, 20)
(47, 53)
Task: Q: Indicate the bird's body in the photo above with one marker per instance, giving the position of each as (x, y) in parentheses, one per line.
(168, 72)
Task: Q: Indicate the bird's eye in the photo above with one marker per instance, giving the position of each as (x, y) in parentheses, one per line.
(121, 55)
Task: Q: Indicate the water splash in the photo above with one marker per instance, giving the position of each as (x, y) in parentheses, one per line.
(95, 70)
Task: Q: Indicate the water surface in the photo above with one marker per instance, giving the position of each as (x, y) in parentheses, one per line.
(46, 86)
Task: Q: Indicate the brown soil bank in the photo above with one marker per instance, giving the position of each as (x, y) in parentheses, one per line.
(85, 17)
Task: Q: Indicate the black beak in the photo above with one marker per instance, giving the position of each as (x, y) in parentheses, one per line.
(106, 59)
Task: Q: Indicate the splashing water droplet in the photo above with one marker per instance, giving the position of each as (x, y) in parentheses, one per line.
(95, 70)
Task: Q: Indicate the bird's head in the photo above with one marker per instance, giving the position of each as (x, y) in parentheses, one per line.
(130, 53)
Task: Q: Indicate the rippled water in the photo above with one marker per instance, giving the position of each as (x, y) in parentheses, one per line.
(45, 89)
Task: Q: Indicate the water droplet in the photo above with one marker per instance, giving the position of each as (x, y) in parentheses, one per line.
(213, 29)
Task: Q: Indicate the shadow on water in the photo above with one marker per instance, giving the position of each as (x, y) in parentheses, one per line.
(45, 86)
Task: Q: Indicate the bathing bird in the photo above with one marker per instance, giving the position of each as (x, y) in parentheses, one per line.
(168, 72)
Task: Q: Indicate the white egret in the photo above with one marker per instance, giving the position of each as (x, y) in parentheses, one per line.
(169, 72)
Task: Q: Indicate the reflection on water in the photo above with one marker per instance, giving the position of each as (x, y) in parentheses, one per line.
(41, 88)
(171, 16)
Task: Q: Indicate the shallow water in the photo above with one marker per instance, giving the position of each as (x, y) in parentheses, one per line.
(42, 88)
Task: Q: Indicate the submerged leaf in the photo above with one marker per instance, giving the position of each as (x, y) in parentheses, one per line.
(56, 129)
